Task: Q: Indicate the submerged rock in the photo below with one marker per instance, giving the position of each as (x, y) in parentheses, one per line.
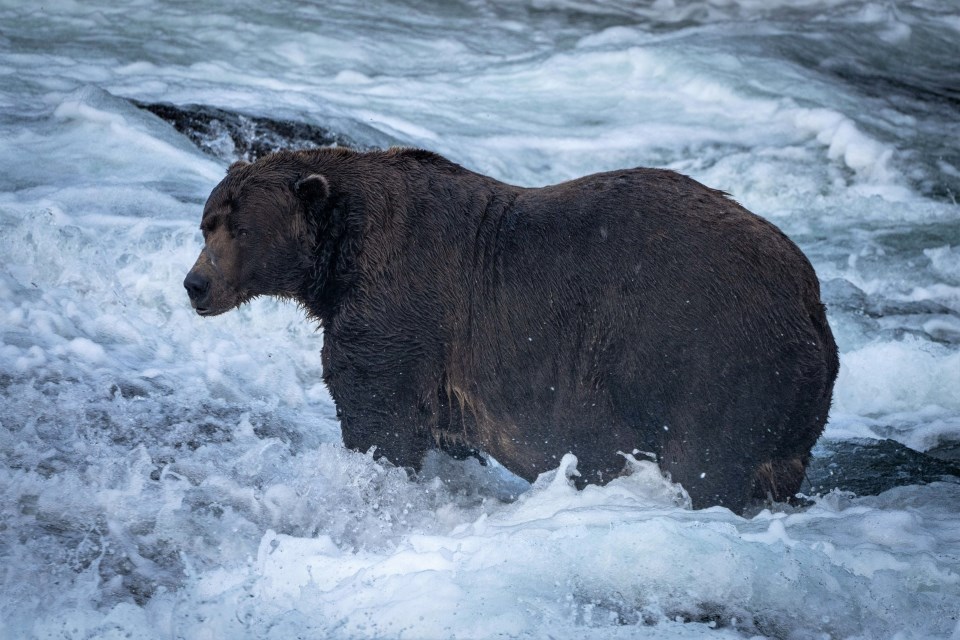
(870, 467)
(949, 451)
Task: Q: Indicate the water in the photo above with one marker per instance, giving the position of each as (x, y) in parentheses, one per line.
(165, 476)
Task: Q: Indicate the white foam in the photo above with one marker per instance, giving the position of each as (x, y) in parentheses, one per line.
(86, 349)
(846, 142)
(577, 571)
(886, 377)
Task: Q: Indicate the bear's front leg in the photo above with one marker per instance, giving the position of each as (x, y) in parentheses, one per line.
(392, 435)
(378, 383)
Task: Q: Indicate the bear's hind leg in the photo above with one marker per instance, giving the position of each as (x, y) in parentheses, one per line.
(712, 477)
(779, 480)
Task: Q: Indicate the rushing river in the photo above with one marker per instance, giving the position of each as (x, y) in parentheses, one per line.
(168, 476)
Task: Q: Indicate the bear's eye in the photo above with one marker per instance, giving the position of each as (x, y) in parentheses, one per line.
(206, 227)
(242, 233)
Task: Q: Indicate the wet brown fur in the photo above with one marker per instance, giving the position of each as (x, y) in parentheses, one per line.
(633, 309)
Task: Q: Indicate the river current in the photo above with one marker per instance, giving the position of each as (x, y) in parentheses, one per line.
(167, 476)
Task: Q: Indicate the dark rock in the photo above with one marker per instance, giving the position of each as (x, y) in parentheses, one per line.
(234, 136)
(869, 467)
(949, 451)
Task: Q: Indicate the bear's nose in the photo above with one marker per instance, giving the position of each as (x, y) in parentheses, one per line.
(196, 286)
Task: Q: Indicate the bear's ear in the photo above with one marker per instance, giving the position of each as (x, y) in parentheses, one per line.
(237, 165)
(313, 188)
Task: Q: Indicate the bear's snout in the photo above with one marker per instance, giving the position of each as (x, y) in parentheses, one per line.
(198, 288)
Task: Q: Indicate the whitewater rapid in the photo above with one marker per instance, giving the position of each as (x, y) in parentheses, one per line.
(167, 476)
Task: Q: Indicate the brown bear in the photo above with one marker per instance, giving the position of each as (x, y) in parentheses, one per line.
(633, 310)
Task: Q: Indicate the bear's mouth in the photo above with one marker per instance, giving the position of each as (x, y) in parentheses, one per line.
(208, 311)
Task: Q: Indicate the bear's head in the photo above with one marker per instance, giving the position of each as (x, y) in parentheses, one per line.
(259, 236)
